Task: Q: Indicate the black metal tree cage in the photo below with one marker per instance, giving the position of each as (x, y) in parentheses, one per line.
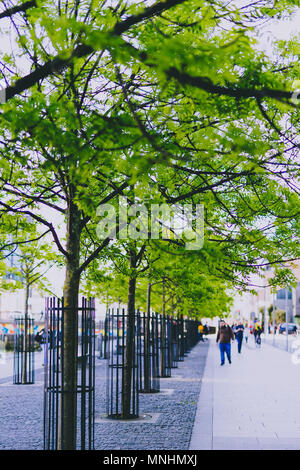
(148, 353)
(164, 346)
(54, 372)
(181, 338)
(174, 332)
(122, 398)
(191, 327)
(23, 351)
(184, 336)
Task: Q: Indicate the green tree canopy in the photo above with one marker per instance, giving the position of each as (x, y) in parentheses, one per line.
(171, 97)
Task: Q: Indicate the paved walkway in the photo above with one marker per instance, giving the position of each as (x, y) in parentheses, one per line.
(254, 403)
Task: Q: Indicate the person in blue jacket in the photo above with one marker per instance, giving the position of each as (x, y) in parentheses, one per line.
(239, 334)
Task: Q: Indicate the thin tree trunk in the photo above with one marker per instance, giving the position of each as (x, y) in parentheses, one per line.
(129, 350)
(68, 414)
(147, 385)
(25, 339)
(163, 334)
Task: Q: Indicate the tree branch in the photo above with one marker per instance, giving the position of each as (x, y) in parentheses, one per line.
(41, 221)
(93, 256)
(17, 9)
(57, 65)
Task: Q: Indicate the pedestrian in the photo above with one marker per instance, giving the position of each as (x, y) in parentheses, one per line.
(257, 332)
(39, 339)
(100, 344)
(205, 330)
(246, 332)
(294, 330)
(224, 337)
(233, 327)
(42, 340)
(200, 332)
(239, 333)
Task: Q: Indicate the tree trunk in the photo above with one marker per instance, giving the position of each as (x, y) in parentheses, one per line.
(129, 350)
(163, 335)
(25, 339)
(68, 412)
(147, 387)
(105, 339)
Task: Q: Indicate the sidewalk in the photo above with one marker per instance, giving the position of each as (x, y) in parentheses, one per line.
(252, 404)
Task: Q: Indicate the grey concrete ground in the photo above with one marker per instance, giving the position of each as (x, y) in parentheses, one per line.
(170, 414)
(251, 404)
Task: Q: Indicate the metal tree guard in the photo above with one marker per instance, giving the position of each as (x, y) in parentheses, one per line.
(117, 323)
(148, 353)
(191, 334)
(174, 342)
(105, 338)
(181, 338)
(23, 351)
(165, 346)
(54, 372)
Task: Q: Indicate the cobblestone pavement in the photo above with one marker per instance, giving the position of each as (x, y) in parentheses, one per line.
(169, 414)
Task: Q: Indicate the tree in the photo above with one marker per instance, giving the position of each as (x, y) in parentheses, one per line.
(177, 285)
(187, 282)
(279, 314)
(127, 258)
(33, 259)
(107, 96)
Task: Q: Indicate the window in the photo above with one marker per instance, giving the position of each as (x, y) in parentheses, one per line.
(281, 294)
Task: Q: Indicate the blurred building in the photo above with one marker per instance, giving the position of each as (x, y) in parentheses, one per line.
(250, 306)
(12, 305)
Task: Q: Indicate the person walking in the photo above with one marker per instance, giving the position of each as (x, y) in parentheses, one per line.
(257, 332)
(239, 333)
(224, 337)
(42, 338)
(205, 331)
(200, 332)
(246, 332)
